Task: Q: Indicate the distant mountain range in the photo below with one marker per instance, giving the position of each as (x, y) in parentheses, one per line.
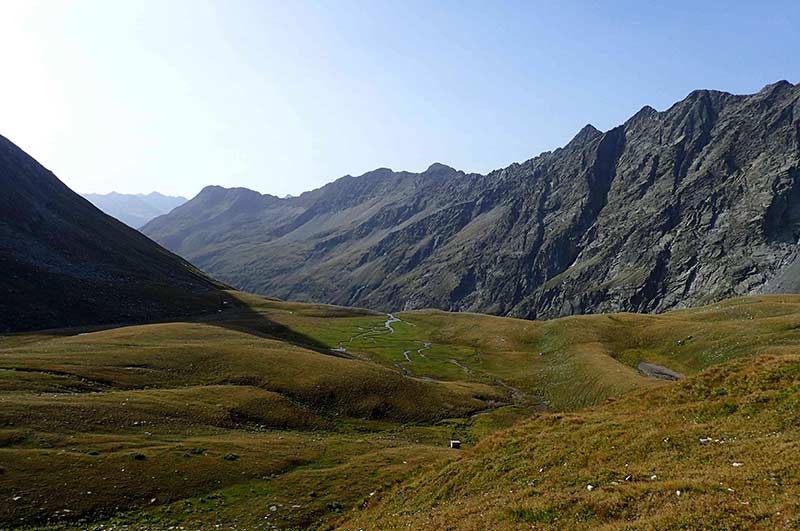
(135, 210)
(670, 209)
(65, 263)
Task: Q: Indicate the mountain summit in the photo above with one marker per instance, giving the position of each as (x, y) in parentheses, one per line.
(674, 208)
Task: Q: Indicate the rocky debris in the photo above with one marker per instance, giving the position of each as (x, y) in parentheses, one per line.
(675, 208)
(657, 371)
(682, 342)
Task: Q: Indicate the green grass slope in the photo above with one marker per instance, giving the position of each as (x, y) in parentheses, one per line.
(717, 451)
(275, 415)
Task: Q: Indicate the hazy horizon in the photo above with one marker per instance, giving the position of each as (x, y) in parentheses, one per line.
(283, 98)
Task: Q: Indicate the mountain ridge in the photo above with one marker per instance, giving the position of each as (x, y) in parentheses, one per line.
(135, 210)
(608, 222)
(66, 263)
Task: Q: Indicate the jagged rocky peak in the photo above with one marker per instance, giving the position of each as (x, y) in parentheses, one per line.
(377, 172)
(437, 168)
(778, 85)
(586, 134)
(645, 112)
(644, 217)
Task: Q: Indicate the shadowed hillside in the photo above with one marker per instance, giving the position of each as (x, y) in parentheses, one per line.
(135, 210)
(65, 263)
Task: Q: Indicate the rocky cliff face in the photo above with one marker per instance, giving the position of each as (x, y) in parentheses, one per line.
(670, 209)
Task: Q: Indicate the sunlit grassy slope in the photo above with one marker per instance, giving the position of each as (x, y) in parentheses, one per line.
(719, 451)
(294, 416)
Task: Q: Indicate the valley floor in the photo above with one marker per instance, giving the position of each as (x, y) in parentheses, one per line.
(274, 415)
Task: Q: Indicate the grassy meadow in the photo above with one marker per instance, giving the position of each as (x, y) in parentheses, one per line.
(276, 415)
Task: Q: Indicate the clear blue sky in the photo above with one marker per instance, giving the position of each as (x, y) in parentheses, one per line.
(283, 96)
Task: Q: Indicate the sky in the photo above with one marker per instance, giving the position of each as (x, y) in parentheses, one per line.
(284, 96)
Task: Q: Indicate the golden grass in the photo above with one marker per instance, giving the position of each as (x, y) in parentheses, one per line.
(215, 421)
(717, 451)
(199, 354)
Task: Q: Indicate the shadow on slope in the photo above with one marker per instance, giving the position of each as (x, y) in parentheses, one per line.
(242, 314)
(65, 263)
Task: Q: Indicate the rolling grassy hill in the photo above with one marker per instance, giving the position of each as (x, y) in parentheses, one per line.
(717, 451)
(275, 415)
